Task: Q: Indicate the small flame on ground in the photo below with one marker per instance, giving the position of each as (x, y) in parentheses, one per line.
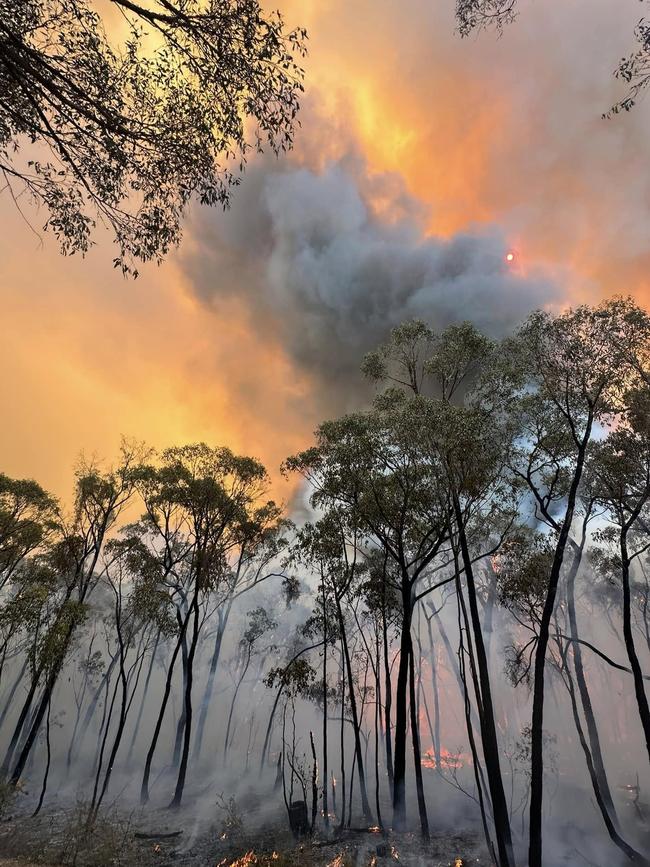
(247, 860)
(448, 761)
(458, 862)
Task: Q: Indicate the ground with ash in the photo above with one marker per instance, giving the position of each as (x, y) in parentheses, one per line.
(253, 838)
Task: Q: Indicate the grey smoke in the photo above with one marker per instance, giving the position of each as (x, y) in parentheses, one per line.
(328, 273)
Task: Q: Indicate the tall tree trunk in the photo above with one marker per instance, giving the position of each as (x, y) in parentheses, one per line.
(639, 688)
(486, 716)
(180, 723)
(12, 691)
(144, 789)
(583, 690)
(401, 702)
(15, 737)
(342, 743)
(92, 707)
(143, 699)
(417, 759)
(326, 816)
(436, 695)
(388, 697)
(608, 818)
(377, 725)
(232, 705)
(537, 720)
(209, 687)
(463, 628)
(48, 760)
(182, 771)
(365, 804)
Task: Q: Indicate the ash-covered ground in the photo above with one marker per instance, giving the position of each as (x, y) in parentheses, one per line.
(233, 837)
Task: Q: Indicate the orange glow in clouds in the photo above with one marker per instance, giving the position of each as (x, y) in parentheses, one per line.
(485, 132)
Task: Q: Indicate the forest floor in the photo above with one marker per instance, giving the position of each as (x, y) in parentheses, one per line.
(178, 839)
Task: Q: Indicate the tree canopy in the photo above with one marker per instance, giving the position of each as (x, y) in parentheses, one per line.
(124, 132)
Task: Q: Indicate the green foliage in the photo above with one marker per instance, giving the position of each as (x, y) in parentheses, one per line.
(126, 134)
(294, 678)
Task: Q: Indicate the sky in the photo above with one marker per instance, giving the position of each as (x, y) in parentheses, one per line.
(421, 160)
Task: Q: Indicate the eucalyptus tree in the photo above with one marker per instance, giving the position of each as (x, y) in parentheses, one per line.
(620, 469)
(140, 610)
(561, 379)
(256, 557)
(259, 624)
(433, 377)
(331, 547)
(28, 521)
(74, 559)
(28, 518)
(125, 132)
(201, 505)
(372, 467)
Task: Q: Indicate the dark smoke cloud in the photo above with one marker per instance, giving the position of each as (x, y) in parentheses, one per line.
(327, 260)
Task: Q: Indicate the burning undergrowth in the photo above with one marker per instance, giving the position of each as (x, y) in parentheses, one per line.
(158, 838)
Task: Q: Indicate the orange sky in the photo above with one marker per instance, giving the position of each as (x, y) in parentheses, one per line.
(483, 131)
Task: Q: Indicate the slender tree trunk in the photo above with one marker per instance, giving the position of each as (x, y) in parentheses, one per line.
(639, 688)
(314, 783)
(326, 816)
(232, 704)
(463, 627)
(436, 695)
(486, 716)
(182, 771)
(93, 809)
(365, 804)
(583, 690)
(145, 691)
(377, 725)
(15, 737)
(388, 699)
(608, 818)
(42, 707)
(12, 691)
(144, 789)
(401, 702)
(48, 746)
(209, 687)
(537, 721)
(342, 742)
(180, 724)
(417, 759)
(92, 707)
(124, 709)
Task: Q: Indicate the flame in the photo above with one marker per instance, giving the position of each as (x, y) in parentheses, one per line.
(247, 860)
(448, 760)
(458, 862)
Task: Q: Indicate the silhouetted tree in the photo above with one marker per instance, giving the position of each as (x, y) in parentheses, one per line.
(126, 132)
